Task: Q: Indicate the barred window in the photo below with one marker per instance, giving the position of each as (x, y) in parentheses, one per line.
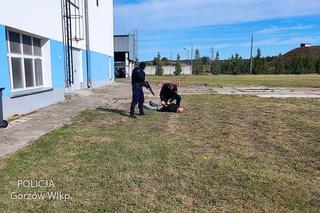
(25, 61)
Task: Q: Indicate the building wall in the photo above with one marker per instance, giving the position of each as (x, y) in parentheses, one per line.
(101, 42)
(46, 22)
(101, 69)
(4, 69)
(101, 26)
(57, 64)
(40, 17)
(168, 70)
(49, 95)
(29, 103)
(43, 19)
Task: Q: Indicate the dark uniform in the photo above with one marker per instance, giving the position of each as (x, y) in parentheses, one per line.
(170, 94)
(138, 81)
(169, 108)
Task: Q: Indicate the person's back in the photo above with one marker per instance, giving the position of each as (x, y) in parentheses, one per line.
(138, 77)
(169, 92)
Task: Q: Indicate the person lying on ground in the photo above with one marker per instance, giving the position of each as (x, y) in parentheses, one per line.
(164, 108)
(169, 93)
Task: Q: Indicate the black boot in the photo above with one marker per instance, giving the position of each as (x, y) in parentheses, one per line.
(142, 113)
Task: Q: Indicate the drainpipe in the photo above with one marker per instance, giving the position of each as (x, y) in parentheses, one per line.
(3, 123)
(88, 61)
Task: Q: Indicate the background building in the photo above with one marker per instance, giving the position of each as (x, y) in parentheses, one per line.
(48, 48)
(125, 54)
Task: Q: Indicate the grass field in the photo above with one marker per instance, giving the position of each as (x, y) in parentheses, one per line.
(227, 153)
(246, 80)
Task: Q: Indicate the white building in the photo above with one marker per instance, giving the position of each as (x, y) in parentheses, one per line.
(50, 47)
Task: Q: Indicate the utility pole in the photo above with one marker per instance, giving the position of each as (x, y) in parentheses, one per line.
(135, 44)
(191, 58)
(212, 53)
(251, 58)
(171, 62)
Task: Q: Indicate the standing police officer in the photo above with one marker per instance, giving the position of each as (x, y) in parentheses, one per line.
(138, 81)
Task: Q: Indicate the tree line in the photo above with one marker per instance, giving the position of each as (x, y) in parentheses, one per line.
(237, 65)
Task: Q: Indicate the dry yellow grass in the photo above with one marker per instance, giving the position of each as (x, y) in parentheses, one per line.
(245, 80)
(227, 153)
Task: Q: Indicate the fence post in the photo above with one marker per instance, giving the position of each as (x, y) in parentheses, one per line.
(3, 123)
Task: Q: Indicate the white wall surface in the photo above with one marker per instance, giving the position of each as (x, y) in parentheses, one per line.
(43, 18)
(101, 26)
(39, 17)
(29, 103)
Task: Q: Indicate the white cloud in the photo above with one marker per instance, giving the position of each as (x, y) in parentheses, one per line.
(275, 29)
(170, 14)
(278, 42)
(216, 46)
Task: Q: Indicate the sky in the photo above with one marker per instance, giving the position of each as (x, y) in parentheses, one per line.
(169, 26)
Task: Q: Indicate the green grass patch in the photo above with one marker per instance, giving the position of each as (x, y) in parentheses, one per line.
(245, 80)
(225, 153)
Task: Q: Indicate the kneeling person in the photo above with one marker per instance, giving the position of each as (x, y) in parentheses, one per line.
(169, 93)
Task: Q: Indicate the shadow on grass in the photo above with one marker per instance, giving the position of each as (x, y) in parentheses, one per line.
(116, 111)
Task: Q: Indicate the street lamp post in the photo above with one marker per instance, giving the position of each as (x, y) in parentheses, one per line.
(188, 51)
(251, 58)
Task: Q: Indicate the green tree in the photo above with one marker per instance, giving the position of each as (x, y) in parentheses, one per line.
(165, 61)
(178, 69)
(259, 63)
(196, 54)
(159, 69)
(215, 65)
(154, 61)
(318, 66)
(245, 66)
(308, 64)
(197, 67)
(236, 62)
(217, 56)
(205, 60)
(297, 65)
(279, 67)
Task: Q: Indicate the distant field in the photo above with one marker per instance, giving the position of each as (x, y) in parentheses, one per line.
(246, 80)
(224, 154)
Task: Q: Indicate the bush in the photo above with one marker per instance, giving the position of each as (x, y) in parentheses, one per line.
(197, 67)
(159, 69)
(318, 66)
(297, 65)
(178, 69)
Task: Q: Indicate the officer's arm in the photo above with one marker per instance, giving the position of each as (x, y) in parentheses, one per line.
(175, 89)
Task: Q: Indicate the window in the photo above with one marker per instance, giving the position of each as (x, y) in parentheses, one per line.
(97, 2)
(25, 61)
